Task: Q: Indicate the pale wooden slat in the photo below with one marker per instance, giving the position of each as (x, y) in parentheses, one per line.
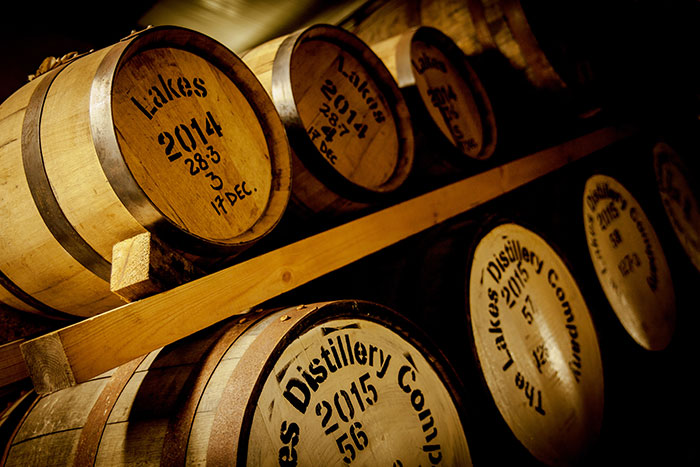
(12, 366)
(105, 341)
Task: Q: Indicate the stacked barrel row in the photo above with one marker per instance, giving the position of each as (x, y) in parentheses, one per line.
(535, 364)
(173, 134)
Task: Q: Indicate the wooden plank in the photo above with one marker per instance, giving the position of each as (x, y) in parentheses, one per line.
(108, 340)
(12, 366)
(143, 266)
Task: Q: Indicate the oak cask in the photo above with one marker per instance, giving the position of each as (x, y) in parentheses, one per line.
(166, 131)
(536, 344)
(454, 123)
(629, 261)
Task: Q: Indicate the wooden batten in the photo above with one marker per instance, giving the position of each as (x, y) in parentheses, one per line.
(347, 122)
(453, 119)
(113, 338)
(385, 390)
(169, 132)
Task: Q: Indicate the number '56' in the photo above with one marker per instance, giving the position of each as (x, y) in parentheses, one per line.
(359, 441)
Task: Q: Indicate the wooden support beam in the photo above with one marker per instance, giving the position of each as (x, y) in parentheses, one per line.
(12, 366)
(90, 347)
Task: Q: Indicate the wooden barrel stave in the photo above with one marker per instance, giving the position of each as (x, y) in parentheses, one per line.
(72, 163)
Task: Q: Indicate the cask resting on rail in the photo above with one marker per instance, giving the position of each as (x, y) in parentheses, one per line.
(348, 124)
(335, 382)
(454, 123)
(629, 261)
(166, 131)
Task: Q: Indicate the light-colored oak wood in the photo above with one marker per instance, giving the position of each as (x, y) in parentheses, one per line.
(677, 191)
(347, 122)
(32, 259)
(536, 344)
(242, 393)
(440, 86)
(110, 339)
(212, 124)
(166, 131)
(143, 266)
(401, 387)
(12, 366)
(629, 261)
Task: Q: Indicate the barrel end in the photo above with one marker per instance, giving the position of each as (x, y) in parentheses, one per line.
(143, 266)
(47, 364)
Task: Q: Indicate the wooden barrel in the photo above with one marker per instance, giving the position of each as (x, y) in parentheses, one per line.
(460, 19)
(676, 187)
(451, 112)
(629, 261)
(166, 131)
(545, 41)
(321, 384)
(536, 344)
(348, 124)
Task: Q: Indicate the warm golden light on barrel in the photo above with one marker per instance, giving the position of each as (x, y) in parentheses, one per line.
(630, 262)
(166, 131)
(536, 344)
(348, 124)
(435, 76)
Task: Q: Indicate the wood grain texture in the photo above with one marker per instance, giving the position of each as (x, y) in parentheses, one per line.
(439, 84)
(50, 369)
(12, 366)
(384, 417)
(629, 261)
(536, 344)
(32, 259)
(132, 277)
(108, 340)
(168, 131)
(347, 122)
(215, 129)
(143, 266)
